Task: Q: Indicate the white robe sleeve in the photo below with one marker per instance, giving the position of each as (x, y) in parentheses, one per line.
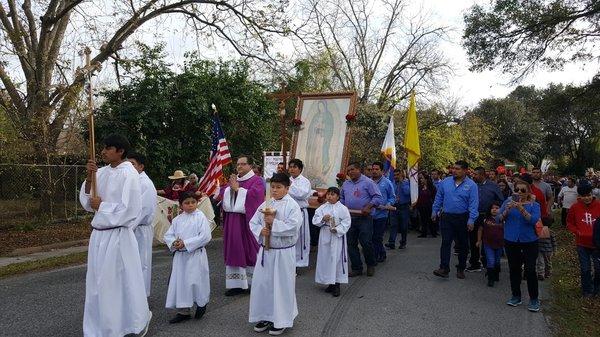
(257, 223)
(204, 236)
(149, 203)
(84, 199)
(240, 201)
(126, 211)
(300, 189)
(345, 220)
(289, 226)
(318, 217)
(169, 237)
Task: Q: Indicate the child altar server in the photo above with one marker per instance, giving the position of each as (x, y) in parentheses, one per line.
(332, 260)
(273, 295)
(189, 282)
(115, 298)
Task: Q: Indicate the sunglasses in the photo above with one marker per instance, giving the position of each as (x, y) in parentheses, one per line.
(521, 190)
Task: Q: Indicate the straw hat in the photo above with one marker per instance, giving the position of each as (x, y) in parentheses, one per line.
(178, 175)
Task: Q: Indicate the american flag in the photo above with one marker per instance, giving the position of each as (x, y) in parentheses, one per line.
(219, 157)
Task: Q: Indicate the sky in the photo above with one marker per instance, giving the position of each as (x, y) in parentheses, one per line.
(470, 87)
(465, 86)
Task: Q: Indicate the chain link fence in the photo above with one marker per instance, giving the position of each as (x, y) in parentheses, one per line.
(33, 195)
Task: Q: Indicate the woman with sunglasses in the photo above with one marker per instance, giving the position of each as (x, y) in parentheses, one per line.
(520, 214)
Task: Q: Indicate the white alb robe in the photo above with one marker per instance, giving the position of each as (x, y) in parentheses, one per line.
(273, 292)
(332, 257)
(144, 230)
(115, 300)
(301, 191)
(189, 282)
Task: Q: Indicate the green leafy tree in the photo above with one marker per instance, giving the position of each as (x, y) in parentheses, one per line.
(518, 35)
(168, 115)
(516, 133)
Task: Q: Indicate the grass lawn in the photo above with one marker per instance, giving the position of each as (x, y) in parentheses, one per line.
(570, 314)
(41, 265)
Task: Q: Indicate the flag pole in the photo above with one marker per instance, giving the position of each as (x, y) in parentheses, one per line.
(90, 105)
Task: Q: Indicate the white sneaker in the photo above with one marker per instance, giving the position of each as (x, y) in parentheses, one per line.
(276, 332)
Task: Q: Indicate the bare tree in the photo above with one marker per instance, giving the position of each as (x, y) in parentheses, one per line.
(375, 47)
(39, 85)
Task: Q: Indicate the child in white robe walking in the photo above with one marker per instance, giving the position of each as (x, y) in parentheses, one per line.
(189, 282)
(115, 298)
(273, 295)
(332, 259)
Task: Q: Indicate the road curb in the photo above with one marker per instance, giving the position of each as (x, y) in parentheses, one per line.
(46, 248)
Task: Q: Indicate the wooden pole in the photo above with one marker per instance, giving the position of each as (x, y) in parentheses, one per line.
(90, 106)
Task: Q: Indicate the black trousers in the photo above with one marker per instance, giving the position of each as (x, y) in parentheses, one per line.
(314, 230)
(475, 259)
(427, 225)
(519, 253)
(563, 216)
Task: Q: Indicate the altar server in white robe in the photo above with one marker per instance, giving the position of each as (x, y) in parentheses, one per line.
(273, 294)
(332, 259)
(115, 298)
(144, 232)
(190, 282)
(301, 191)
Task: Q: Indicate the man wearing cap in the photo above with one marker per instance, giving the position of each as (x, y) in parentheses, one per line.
(240, 197)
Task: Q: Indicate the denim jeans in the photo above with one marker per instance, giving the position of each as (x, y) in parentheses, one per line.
(399, 223)
(589, 284)
(492, 256)
(378, 230)
(454, 228)
(361, 230)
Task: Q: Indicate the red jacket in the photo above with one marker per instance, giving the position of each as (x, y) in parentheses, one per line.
(580, 221)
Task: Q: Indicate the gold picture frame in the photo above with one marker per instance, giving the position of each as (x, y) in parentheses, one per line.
(322, 139)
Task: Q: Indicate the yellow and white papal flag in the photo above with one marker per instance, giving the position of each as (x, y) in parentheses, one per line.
(413, 149)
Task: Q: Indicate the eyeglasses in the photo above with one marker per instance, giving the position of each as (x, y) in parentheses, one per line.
(521, 190)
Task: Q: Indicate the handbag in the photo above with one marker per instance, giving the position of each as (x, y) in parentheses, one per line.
(542, 232)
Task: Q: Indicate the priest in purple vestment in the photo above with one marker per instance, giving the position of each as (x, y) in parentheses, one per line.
(241, 198)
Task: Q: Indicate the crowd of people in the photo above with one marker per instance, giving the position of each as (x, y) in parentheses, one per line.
(267, 242)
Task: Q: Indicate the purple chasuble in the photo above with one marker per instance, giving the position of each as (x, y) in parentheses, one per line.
(239, 244)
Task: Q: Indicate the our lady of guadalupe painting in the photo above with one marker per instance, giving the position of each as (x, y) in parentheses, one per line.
(322, 141)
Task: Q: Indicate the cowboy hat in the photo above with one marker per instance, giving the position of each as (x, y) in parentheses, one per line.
(178, 175)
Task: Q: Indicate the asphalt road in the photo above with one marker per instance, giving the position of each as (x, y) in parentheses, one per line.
(402, 299)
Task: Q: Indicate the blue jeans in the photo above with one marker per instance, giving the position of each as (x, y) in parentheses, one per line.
(378, 230)
(492, 256)
(589, 285)
(399, 223)
(361, 230)
(454, 228)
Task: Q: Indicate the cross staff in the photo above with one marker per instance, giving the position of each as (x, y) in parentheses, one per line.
(90, 105)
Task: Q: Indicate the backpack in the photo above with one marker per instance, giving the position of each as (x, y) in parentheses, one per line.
(596, 234)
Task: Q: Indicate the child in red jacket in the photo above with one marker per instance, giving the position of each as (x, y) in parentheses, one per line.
(580, 221)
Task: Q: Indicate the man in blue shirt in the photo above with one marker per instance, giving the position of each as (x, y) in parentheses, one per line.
(457, 205)
(488, 193)
(399, 218)
(380, 215)
(360, 194)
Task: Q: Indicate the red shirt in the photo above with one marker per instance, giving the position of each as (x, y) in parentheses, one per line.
(580, 221)
(540, 198)
(493, 233)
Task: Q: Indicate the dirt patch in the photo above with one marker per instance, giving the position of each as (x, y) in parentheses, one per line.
(69, 231)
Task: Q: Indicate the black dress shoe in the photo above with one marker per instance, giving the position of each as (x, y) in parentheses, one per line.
(234, 291)
(200, 312)
(390, 246)
(330, 288)
(422, 236)
(179, 318)
(402, 246)
(336, 290)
